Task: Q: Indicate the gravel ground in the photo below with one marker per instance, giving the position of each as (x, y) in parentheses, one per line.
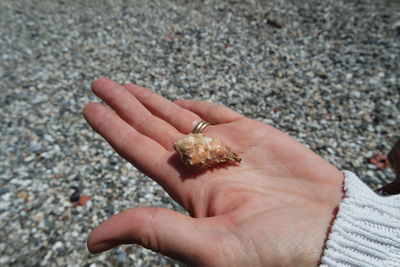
(326, 72)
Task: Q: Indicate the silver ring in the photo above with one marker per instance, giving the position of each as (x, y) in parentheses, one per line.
(200, 126)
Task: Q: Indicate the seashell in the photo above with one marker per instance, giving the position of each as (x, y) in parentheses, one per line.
(199, 151)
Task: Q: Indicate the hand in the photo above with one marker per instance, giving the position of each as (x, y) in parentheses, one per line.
(275, 209)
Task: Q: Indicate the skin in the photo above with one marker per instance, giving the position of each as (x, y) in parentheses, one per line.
(274, 209)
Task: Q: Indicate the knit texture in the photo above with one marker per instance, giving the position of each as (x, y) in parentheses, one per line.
(366, 231)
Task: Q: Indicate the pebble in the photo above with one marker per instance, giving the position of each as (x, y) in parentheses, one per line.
(4, 190)
(326, 74)
(83, 199)
(23, 195)
(109, 209)
(121, 256)
(76, 194)
(57, 245)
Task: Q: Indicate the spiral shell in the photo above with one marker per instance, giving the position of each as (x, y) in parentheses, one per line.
(199, 151)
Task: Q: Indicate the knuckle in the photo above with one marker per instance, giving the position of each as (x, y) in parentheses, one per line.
(117, 97)
(147, 95)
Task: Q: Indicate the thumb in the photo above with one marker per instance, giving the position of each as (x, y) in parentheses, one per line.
(161, 230)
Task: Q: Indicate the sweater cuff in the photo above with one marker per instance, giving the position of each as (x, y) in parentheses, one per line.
(366, 231)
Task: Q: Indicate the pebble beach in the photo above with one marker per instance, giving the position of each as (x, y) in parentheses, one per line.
(325, 72)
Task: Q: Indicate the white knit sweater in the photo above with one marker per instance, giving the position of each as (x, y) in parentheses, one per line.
(366, 231)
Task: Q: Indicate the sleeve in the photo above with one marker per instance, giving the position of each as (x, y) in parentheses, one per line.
(366, 231)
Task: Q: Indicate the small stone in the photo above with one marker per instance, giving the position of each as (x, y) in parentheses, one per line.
(75, 196)
(121, 257)
(83, 200)
(29, 158)
(23, 194)
(4, 190)
(38, 217)
(49, 138)
(58, 175)
(321, 73)
(4, 205)
(57, 245)
(109, 209)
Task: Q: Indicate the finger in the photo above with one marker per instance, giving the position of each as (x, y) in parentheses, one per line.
(211, 112)
(134, 113)
(146, 154)
(161, 230)
(182, 119)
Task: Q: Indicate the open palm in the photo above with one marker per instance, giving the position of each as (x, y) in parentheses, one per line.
(274, 209)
